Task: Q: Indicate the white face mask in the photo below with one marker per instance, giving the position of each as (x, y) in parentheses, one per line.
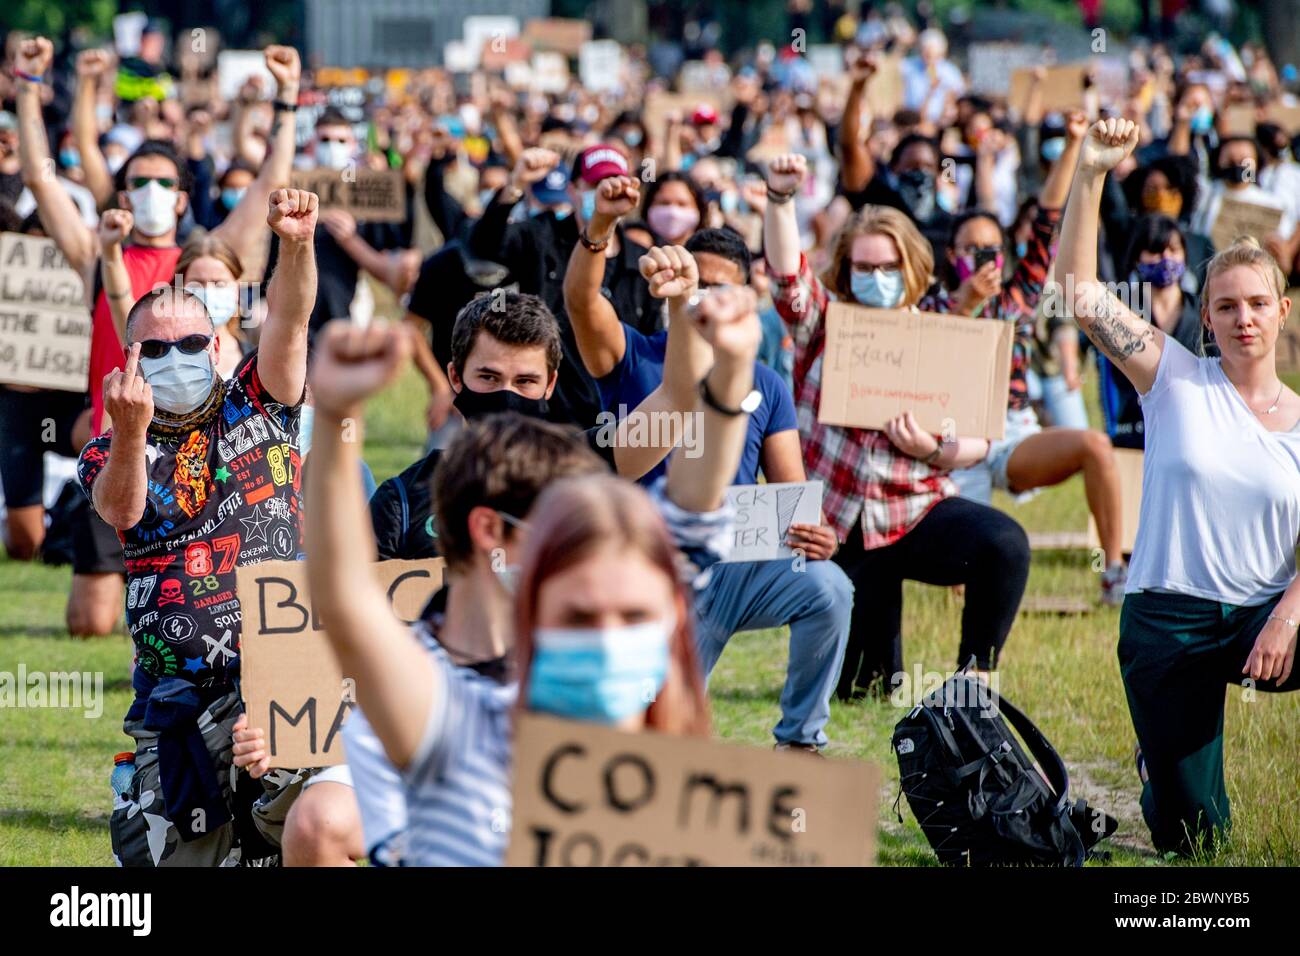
(221, 299)
(179, 382)
(333, 155)
(154, 209)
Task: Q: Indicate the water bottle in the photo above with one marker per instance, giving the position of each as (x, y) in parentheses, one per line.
(123, 773)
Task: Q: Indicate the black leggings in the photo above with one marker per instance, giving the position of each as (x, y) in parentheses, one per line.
(958, 542)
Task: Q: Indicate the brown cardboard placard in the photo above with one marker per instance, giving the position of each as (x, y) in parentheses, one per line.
(659, 103)
(952, 372)
(371, 195)
(1062, 87)
(561, 34)
(1237, 218)
(1239, 120)
(589, 795)
(292, 685)
(44, 323)
(1129, 463)
(1287, 117)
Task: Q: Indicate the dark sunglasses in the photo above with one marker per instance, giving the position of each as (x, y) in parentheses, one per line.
(139, 182)
(190, 345)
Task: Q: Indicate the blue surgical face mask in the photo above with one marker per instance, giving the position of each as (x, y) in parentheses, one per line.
(179, 382)
(588, 204)
(69, 158)
(877, 289)
(1053, 148)
(562, 213)
(603, 675)
(1022, 249)
(1202, 120)
(230, 197)
(729, 202)
(632, 137)
(221, 300)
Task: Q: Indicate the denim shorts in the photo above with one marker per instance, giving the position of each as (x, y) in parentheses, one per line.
(978, 481)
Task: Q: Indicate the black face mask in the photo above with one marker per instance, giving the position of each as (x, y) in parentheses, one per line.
(1236, 174)
(474, 404)
(916, 187)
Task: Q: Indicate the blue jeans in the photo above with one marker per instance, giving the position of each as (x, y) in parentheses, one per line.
(817, 603)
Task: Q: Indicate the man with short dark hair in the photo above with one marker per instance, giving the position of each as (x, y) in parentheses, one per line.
(200, 476)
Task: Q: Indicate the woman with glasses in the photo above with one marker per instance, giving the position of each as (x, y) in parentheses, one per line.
(887, 492)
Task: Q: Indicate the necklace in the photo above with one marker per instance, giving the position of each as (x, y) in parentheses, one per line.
(1272, 408)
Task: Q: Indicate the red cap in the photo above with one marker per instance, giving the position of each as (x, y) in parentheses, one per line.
(704, 115)
(600, 162)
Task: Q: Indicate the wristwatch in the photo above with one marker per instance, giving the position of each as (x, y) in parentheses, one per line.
(748, 405)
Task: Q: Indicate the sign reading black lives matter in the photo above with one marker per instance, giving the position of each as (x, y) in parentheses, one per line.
(292, 684)
(371, 195)
(44, 322)
(588, 795)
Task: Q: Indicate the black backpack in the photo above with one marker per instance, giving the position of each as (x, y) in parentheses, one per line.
(977, 796)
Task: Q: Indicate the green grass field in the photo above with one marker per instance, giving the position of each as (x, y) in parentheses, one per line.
(54, 764)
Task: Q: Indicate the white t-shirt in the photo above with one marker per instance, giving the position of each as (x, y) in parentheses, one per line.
(1220, 493)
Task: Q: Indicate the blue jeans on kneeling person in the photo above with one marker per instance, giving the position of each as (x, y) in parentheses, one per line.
(815, 598)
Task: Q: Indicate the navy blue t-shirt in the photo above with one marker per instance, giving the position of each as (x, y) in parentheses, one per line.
(642, 369)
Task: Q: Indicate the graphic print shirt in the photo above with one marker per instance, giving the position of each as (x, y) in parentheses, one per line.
(222, 494)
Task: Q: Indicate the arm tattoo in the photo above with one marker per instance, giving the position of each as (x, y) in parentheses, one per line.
(1114, 337)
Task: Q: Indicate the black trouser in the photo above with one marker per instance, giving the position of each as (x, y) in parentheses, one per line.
(958, 542)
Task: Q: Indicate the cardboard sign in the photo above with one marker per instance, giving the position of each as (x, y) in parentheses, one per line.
(764, 514)
(236, 66)
(600, 66)
(659, 103)
(1062, 88)
(559, 34)
(1237, 218)
(1129, 463)
(44, 322)
(292, 684)
(371, 195)
(953, 373)
(991, 65)
(588, 795)
(1239, 120)
(550, 72)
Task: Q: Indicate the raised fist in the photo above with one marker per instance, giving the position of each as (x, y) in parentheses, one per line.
(92, 64)
(616, 196)
(532, 167)
(34, 56)
(727, 318)
(785, 174)
(352, 363)
(1109, 142)
(114, 226)
(292, 216)
(284, 65)
(671, 272)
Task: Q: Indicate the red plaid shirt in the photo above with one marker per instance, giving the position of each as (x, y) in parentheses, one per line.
(867, 479)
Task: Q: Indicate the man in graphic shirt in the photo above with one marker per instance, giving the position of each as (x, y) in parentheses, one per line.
(198, 476)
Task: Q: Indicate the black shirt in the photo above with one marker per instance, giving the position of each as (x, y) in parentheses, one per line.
(401, 509)
(536, 251)
(878, 192)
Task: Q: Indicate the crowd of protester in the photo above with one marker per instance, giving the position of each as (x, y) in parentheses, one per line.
(571, 264)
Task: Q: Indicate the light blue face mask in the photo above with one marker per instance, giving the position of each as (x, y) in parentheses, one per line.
(1202, 120)
(729, 202)
(877, 289)
(1022, 249)
(1053, 148)
(179, 382)
(69, 158)
(603, 675)
(562, 213)
(230, 197)
(588, 204)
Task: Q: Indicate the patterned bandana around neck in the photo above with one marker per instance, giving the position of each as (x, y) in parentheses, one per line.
(167, 426)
